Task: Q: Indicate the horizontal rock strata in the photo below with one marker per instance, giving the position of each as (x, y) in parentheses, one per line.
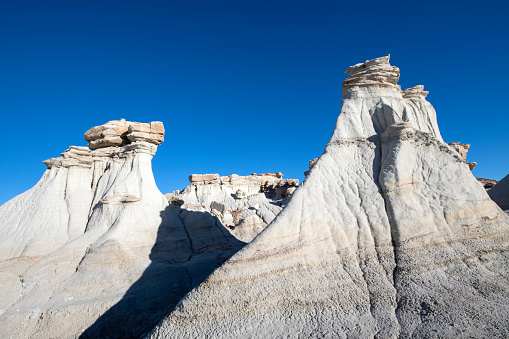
(121, 132)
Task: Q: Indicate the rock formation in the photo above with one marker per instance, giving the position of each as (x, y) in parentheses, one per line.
(487, 183)
(244, 204)
(462, 149)
(94, 248)
(121, 132)
(500, 193)
(389, 236)
(311, 164)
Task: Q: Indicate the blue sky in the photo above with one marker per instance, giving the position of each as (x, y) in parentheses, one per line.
(241, 86)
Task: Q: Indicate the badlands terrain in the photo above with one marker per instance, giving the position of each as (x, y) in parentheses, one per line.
(389, 236)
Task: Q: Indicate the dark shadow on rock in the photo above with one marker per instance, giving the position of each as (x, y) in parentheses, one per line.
(185, 253)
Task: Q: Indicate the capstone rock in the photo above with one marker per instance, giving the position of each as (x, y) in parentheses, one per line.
(122, 132)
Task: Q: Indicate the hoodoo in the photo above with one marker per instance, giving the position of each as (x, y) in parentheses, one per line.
(94, 249)
(389, 236)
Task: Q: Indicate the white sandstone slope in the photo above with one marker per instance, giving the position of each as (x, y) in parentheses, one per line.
(94, 248)
(389, 236)
(243, 204)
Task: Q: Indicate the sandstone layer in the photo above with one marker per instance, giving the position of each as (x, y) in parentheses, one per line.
(245, 205)
(93, 249)
(121, 132)
(389, 236)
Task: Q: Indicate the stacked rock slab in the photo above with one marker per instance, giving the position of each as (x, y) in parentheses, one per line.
(389, 236)
(500, 193)
(121, 132)
(245, 205)
(93, 247)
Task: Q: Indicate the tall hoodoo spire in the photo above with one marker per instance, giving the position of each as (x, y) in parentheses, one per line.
(94, 242)
(372, 101)
(389, 236)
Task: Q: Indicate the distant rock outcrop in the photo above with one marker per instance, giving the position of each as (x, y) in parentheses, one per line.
(244, 204)
(487, 183)
(94, 248)
(389, 236)
(462, 149)
(311, 164)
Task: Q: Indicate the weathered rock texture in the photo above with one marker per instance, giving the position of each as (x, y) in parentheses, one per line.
(500, 193)
(245, 205)
(94, 248)
(121, 132)
(389, 236)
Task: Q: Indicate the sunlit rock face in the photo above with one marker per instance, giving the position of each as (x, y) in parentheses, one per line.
(94, 248)
(389, 236)
(245, 205)
(121, 132)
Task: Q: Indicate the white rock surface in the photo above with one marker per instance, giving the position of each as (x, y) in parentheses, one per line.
(500, 193)
(389, 236)
(94, 248)
(245, 205)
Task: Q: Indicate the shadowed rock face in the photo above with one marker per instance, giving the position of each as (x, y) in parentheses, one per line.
(94, 248)
(389, 236)
(500, 193)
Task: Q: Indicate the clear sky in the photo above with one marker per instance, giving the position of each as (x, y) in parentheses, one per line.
(241, 86)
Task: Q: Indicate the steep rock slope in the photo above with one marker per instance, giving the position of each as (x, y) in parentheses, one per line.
(389, 236)
(94, 248)
(245, 205)
(500, 193)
